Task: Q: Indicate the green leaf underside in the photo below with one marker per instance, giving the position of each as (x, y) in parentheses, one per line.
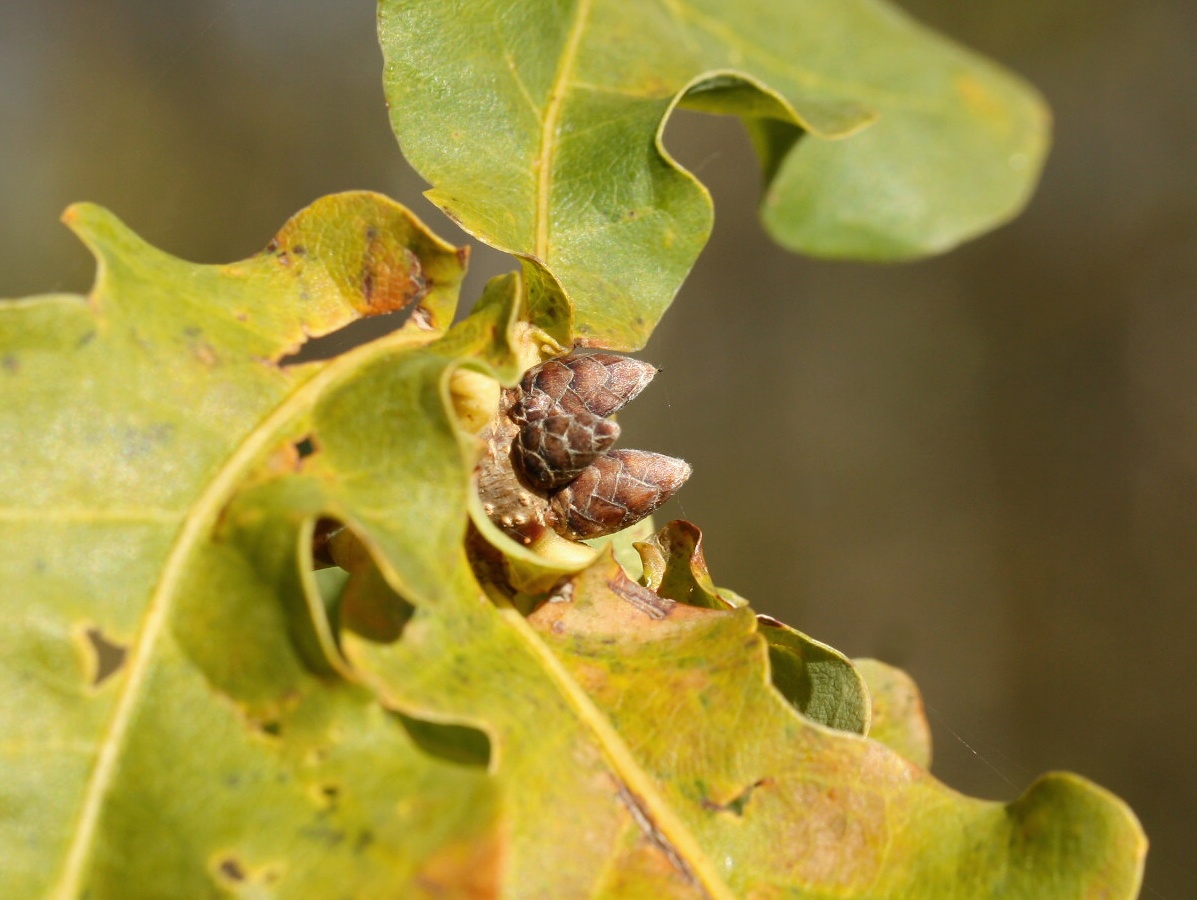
(613, 743)
(538, 125)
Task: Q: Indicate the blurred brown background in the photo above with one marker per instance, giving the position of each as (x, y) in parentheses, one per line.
(981, 467)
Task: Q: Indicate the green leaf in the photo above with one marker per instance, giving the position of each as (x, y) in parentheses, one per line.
(162, 737)
(539, 127)
(898, 720)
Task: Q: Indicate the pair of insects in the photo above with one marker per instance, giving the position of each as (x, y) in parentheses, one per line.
(562, 446)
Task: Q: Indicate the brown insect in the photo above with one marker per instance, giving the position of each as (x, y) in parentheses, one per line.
(559, 437)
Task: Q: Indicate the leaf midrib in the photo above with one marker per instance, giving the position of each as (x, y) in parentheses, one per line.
(546, 156)
(621, 760)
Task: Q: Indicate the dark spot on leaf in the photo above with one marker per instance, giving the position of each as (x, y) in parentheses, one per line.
(305, 447)
(86, 339)
(271, 727)
(230, 868)
(272, 246)
(453, 743)
(11, 364)
(328, 794)
(299, 250)
(364, 839)
(108, 657)
(371, 233)
(368, 285)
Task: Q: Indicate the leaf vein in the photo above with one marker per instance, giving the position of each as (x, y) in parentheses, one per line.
(549, 125)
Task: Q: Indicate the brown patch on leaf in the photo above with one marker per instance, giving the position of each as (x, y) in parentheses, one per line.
(828, 834)
(391, 276)
(469, 869)
(640, 597)
(610, 607)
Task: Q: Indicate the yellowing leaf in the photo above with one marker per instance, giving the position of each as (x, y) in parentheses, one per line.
(898, 720)
(188, 710)
(161, 735)
(539, 125)
(638, 746)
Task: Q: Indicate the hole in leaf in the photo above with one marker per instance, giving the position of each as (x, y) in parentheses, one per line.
(305, 447)
(459, 744)
(323, 532)
(738, 803)
(344, 339)
(108, 656)
(370, 608)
